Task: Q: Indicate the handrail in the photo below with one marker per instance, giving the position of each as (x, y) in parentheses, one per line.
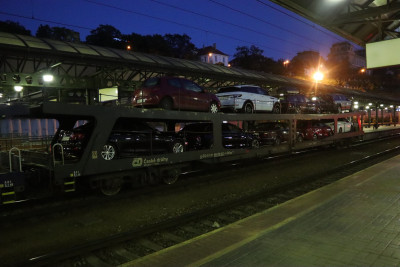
(19, 156)
(62, 153)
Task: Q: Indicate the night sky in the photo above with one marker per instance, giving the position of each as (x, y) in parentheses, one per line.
(228, 23)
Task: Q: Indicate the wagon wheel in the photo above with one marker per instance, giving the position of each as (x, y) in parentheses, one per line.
(110, 187)
(170, 176)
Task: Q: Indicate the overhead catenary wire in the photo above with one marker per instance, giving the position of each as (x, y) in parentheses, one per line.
(263, 21)
(293, 17)
(185, 25)
(237, 25)
(45, 20)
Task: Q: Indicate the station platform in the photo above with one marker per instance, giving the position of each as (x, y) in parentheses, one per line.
(352, 222)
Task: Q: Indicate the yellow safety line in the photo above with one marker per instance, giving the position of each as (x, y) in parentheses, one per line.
(8, 193)
(69, 190)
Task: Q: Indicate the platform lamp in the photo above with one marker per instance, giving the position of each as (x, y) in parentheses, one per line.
(382, 106)
(369, 115)
(48, 78)
(18, 89)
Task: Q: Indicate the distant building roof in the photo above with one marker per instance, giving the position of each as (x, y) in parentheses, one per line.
(210, 49)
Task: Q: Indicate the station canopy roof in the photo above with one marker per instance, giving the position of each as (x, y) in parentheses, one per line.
(359, 21)
(22, 43)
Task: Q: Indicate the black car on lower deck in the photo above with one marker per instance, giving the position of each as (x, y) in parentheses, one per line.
(128, 137)
(199, 135)
(273, 132)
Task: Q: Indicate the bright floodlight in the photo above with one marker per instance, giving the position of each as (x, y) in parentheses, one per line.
(18, 88)
(318, 76)
(48, 78)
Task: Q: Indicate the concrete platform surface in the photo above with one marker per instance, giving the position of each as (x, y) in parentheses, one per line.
(352, 222)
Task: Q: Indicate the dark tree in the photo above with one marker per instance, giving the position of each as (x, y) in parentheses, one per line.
(181, 46)
(252, 58)
(44, 31)
(248, 57)
(105, 35)
(57, 33)
(305, 62)
(13, 27)
(340, 71)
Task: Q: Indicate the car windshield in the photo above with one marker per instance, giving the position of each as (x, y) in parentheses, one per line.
(151, 82)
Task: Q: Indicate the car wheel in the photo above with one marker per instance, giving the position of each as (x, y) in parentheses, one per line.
(299, 138)
(318, 111)
(255, 143)
(213, 107)
(297, 110)
(109, 152)
(315, 137)
(166, 103)
(177, 147)
(248, 107)
(277, 141)
(276, 109)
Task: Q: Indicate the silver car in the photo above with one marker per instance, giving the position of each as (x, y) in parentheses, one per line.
(247, 99)
(343, 125)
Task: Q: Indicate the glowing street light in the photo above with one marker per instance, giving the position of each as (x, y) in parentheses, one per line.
(318, 76)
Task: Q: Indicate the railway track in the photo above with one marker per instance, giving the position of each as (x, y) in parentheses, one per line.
(126, 245)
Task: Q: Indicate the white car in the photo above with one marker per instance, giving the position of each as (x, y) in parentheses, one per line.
(247, 99)
(343, 124)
